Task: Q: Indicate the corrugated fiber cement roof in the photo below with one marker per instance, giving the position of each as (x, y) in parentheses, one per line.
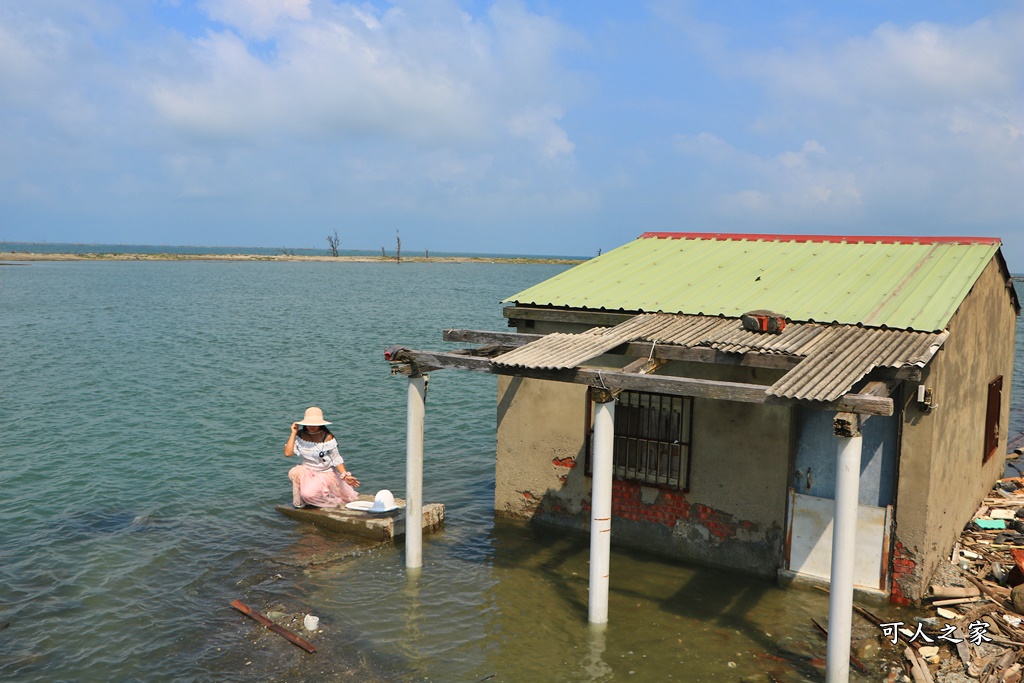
(909, 283)
(835, 357)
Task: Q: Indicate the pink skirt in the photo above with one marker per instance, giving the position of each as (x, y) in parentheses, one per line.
(322, 489)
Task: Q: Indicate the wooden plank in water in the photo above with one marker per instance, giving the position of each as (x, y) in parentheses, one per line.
(279, 630)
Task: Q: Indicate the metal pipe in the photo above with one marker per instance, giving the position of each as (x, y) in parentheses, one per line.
(601, 512)
(844, 539)
(414, 474)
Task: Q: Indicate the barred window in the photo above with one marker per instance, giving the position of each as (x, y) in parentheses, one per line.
(653, 434)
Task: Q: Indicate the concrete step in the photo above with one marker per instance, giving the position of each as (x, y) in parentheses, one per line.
(376, 526)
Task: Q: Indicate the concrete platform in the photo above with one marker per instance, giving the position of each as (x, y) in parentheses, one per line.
(383, 527)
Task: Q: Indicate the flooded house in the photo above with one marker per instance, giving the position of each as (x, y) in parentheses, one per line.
(722, 380)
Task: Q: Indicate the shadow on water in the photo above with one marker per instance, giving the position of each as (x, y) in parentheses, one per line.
(111, 521)
(673, 610)
(313, 547)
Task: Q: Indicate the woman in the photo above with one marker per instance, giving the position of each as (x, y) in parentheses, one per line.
(321, 479)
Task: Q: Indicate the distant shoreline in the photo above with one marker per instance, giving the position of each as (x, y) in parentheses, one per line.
(28, 256)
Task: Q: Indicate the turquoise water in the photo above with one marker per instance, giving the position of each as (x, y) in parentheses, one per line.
(145, 406)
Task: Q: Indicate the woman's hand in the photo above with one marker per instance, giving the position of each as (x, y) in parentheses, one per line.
(289, 447)
(350, 479)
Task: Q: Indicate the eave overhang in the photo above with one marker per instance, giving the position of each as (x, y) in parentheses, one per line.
(841, 367)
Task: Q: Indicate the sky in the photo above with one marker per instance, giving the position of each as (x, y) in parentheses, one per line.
(507, 127)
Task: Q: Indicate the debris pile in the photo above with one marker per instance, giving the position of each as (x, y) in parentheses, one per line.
(977, 633)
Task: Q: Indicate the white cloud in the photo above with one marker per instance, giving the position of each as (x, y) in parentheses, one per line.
(539, 127)
(28, 55)
(921, 122)
(256, 18)
(918, 81)
(915, 65)
(426, 73)
(466, 113)
(787, 185)
(794, 160)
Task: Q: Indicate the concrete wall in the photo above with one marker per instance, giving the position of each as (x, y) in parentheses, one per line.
(941, 477)
(734, 513)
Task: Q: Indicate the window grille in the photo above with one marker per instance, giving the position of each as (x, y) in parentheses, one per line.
(653, 434)
(992, 410)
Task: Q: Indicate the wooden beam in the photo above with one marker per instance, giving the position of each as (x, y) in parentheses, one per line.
(562, 315)
(641, 366)
(668, 352)
(703, 354)
(489, 337)
(279, 630)
(912, 373)
(847, 424)
(882, 389)
(693, 354)
(616, 379)
(645, 366)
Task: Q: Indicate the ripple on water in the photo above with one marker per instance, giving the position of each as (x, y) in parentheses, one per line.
(171, 386)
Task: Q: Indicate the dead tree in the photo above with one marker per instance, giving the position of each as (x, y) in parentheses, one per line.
(333, 241)
(398, 252)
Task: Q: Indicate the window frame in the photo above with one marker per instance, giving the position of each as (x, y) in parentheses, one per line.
(625, 434)
(993, 410)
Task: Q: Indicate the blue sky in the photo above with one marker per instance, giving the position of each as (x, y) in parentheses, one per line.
(507, 127)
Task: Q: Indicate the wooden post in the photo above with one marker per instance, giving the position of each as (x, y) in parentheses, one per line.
(414, 473)
(601, 508)
(844, 540)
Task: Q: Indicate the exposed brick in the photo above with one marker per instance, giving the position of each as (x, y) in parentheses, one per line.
(904, 571)
(564, 462)
(670, 509)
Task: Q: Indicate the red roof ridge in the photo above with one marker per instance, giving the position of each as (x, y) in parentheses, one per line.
(853, 239)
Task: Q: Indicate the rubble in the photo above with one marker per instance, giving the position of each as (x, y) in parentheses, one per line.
(978, 599)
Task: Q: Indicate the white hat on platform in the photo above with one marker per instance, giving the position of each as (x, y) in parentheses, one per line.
(314, 416)
(384, 501)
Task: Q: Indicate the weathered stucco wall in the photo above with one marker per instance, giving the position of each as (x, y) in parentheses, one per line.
(941, 476)
(540, 435)
(734, 513)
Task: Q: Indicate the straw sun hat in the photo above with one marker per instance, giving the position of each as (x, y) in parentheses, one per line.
(314, 416)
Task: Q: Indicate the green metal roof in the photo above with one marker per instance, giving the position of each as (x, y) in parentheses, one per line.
(896, 282)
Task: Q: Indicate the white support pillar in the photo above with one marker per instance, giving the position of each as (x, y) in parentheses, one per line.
(844, 538)
(414, 473)
(601, 511)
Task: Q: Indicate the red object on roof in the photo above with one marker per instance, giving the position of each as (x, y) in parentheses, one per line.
(853, 239)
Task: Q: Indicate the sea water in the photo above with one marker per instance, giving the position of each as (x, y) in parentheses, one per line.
(145, 408)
